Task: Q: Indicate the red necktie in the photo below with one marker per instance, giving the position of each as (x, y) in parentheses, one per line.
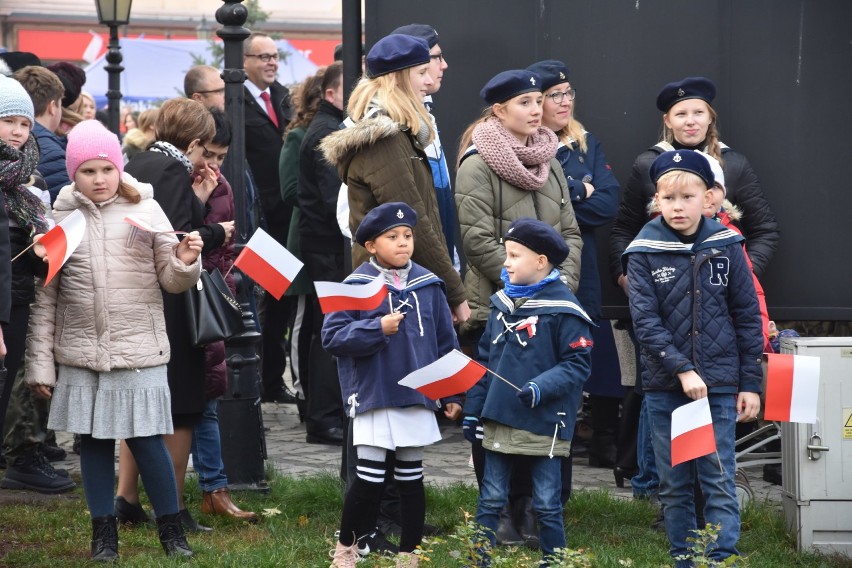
(269, 110)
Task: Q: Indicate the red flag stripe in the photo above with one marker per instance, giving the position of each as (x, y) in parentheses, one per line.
(461, 382)
(330, 304)
(262, 272)
(693, 444)
(55, 242)
(779, 387)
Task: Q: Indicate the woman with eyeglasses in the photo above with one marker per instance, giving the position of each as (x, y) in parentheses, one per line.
(594, 195)
(176, 165)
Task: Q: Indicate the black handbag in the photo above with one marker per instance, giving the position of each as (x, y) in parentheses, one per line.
(212, 311)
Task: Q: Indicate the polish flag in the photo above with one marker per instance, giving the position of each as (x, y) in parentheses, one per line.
(792, 388)
(337, 297)
(61, 242)
(453, 373)
(692, 431)
(268, 263)
(140, 224)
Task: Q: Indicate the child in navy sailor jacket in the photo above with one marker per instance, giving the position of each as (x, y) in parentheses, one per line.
(537, 338)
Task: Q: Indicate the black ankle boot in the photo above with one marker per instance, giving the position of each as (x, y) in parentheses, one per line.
(190, 524)
(104, 539)
(525, 521)
(172, 536)
(506, 534)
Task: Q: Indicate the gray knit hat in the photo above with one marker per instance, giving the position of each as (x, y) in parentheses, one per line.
(14, 100)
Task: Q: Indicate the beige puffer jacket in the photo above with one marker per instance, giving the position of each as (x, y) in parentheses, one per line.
(104, 310)
(487, 205)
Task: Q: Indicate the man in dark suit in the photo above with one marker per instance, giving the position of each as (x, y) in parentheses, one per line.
(267, 113)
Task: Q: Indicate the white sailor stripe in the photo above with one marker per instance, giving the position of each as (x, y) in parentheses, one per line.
(726, 234)
(665, 245)
(501, 294)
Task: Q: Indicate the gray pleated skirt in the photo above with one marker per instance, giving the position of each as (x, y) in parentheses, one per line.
(120, 404)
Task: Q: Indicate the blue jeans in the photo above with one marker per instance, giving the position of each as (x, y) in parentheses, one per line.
(207, 450)
(646, 483)
(715, 473)
(547, 489)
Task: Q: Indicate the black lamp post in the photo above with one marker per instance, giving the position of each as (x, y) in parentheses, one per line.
(113, 13)
(240, 418)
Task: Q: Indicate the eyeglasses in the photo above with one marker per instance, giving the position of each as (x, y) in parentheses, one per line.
(439, 56)
(558, 96)
(212, 92)
(265, 57)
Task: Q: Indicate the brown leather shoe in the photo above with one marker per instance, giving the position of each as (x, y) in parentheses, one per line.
(219, 502)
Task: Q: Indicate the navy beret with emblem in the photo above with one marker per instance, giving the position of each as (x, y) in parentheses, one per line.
(509, 84)
(551, 71)
(384, 218)
(423, 31)
(689, 88)
(683, 160)
(540, 238)
(396, 52)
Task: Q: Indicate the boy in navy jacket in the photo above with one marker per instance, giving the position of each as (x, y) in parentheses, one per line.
(537, 337)
(376, 349)
(698, 324)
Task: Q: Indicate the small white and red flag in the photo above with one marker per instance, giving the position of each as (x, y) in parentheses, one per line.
(268, 263)
(453, 373)
(792, 388)
(61, 242)
(338, 297)
(140, 224)
(692, 431)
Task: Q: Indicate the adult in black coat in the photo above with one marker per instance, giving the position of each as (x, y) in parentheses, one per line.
(267, 113)
(175, 167)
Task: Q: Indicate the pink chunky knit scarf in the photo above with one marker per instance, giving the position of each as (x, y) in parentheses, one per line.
(526, 167)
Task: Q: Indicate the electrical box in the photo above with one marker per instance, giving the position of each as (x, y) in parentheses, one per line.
(817, 458)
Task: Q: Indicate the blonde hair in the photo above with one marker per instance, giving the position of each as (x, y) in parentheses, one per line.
(467, 135)
(128, 192)
(77, 106)
(147, 119)
(679, 178)
(713, 147)
(395, 96)
(575, 131)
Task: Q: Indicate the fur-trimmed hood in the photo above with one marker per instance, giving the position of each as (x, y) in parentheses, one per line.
(734, 212)
(339, 147)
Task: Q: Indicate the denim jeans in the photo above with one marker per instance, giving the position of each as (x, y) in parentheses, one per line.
(715, 473)
(646, 483)
(547, 489)
(207, 450)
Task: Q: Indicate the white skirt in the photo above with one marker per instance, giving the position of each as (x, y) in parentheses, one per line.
(391, 428)
(120, 404)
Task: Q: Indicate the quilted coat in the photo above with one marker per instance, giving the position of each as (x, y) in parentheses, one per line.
(487, 205)
(104, 310)
(381, 161)
(694, 307)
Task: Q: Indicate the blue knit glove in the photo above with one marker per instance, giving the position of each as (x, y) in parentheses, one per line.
(472, 429)
(529, 395)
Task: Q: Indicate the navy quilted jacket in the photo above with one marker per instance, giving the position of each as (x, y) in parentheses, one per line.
(694, 307)
(51, 164)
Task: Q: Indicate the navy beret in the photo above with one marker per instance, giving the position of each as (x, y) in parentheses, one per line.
(384, 218)
(396, 52)
(423, 31)
(540, 238)
(508, 84)
(689, 88)
(685, 161)
(551, 71)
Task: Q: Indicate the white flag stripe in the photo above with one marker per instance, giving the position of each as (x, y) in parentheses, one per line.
(691, 416)
(325, 289)
(446, 366)
(803, 403)
(74, 226)
(276, 255)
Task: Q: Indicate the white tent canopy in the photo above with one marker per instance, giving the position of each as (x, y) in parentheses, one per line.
(154, 68)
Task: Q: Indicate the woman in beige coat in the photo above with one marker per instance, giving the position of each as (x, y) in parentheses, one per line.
(100, 321)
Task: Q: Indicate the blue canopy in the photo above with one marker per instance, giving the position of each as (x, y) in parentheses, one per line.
(154, 68)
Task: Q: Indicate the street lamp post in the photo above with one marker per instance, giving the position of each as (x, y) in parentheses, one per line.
(113, 13)
(240, 417)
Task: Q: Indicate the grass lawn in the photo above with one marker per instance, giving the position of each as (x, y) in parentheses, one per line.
(302, 515)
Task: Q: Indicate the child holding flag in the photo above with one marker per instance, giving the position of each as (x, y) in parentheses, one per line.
(537, 344)
(377, 348)
(100, 321)
(698, 324)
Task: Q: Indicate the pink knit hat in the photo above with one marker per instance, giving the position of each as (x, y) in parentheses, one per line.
(90, 140)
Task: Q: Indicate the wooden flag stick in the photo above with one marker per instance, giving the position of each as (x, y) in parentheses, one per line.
(718, 459)
(32, 244)
(229, 270)
(503, 379)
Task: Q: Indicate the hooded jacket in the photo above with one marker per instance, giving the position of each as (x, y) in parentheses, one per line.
(694, 307)
(104, 310)
(381, 161)
(487, 205)
(369, 362)
(547, 341)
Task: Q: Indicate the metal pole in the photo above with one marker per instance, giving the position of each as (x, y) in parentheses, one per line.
(114, 69)
(351, 45)
(240, 418)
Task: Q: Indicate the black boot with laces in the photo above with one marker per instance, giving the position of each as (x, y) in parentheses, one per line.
(104, 539)
(172, 536)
